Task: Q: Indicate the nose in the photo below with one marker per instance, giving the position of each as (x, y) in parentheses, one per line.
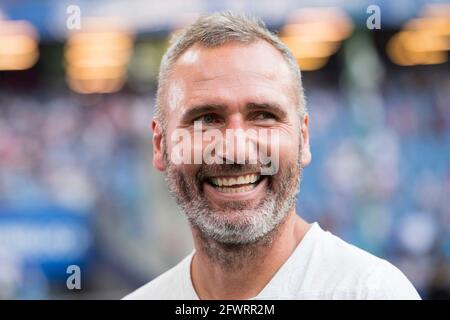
(236, 121)
(240, 142)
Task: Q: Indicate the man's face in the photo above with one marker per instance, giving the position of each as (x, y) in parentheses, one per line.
(229, 89)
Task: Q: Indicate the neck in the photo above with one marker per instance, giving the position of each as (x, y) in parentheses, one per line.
(230, 271)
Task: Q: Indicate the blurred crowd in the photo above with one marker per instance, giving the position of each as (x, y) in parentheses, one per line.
(57, 150)
(66, 159)
(380, 176)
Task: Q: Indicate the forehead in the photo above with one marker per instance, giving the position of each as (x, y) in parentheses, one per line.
(230, 74)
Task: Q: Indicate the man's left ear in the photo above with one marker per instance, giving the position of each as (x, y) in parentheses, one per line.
(304, 135)
(157, 140)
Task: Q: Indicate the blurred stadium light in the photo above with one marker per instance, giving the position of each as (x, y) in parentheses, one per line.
(97, 56)
(423, 40)
(18, 45)
(314, 34)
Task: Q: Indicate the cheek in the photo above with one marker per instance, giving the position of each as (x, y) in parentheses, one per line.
(181, 147)
(185, 177)
(289, 152)
(289, 159)
(287, 146)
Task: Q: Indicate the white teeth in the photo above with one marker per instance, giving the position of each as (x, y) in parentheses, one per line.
(253, 178)
(235, 181)
(236, 184)
(236, 190)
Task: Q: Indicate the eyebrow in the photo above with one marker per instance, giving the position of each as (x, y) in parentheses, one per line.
(199, 110)
(272, 107)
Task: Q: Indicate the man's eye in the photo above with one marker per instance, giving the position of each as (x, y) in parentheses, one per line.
(264, 116)
(207, 119)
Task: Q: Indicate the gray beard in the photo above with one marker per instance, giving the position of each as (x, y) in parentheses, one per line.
(232, 257)
(233, 244)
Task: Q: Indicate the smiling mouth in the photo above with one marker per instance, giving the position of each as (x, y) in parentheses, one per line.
(235, 184)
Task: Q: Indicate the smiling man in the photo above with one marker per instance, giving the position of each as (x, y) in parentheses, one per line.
(227, 73)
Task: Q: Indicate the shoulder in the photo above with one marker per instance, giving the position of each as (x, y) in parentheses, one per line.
(344, 271)
(171, 285)
(388, 282)
(343, 255)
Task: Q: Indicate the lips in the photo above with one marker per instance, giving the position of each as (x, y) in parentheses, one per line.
(235, 184)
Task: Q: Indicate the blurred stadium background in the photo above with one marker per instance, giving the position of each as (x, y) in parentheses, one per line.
(76, 181)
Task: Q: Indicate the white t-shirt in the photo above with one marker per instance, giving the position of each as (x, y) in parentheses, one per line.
(321, 267)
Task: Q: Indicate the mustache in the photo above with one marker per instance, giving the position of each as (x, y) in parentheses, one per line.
(214, 170)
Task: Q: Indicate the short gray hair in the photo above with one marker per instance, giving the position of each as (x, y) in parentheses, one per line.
(218, 29)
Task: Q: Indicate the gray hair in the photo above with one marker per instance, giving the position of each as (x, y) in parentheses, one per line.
(218, 29)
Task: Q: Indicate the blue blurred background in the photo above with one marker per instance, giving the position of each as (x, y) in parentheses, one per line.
(76, 182)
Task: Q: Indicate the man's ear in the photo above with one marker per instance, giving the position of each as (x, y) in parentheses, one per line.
(304, 135)
(157, 141)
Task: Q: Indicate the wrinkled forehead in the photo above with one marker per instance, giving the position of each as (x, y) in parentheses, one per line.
(244, 71)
